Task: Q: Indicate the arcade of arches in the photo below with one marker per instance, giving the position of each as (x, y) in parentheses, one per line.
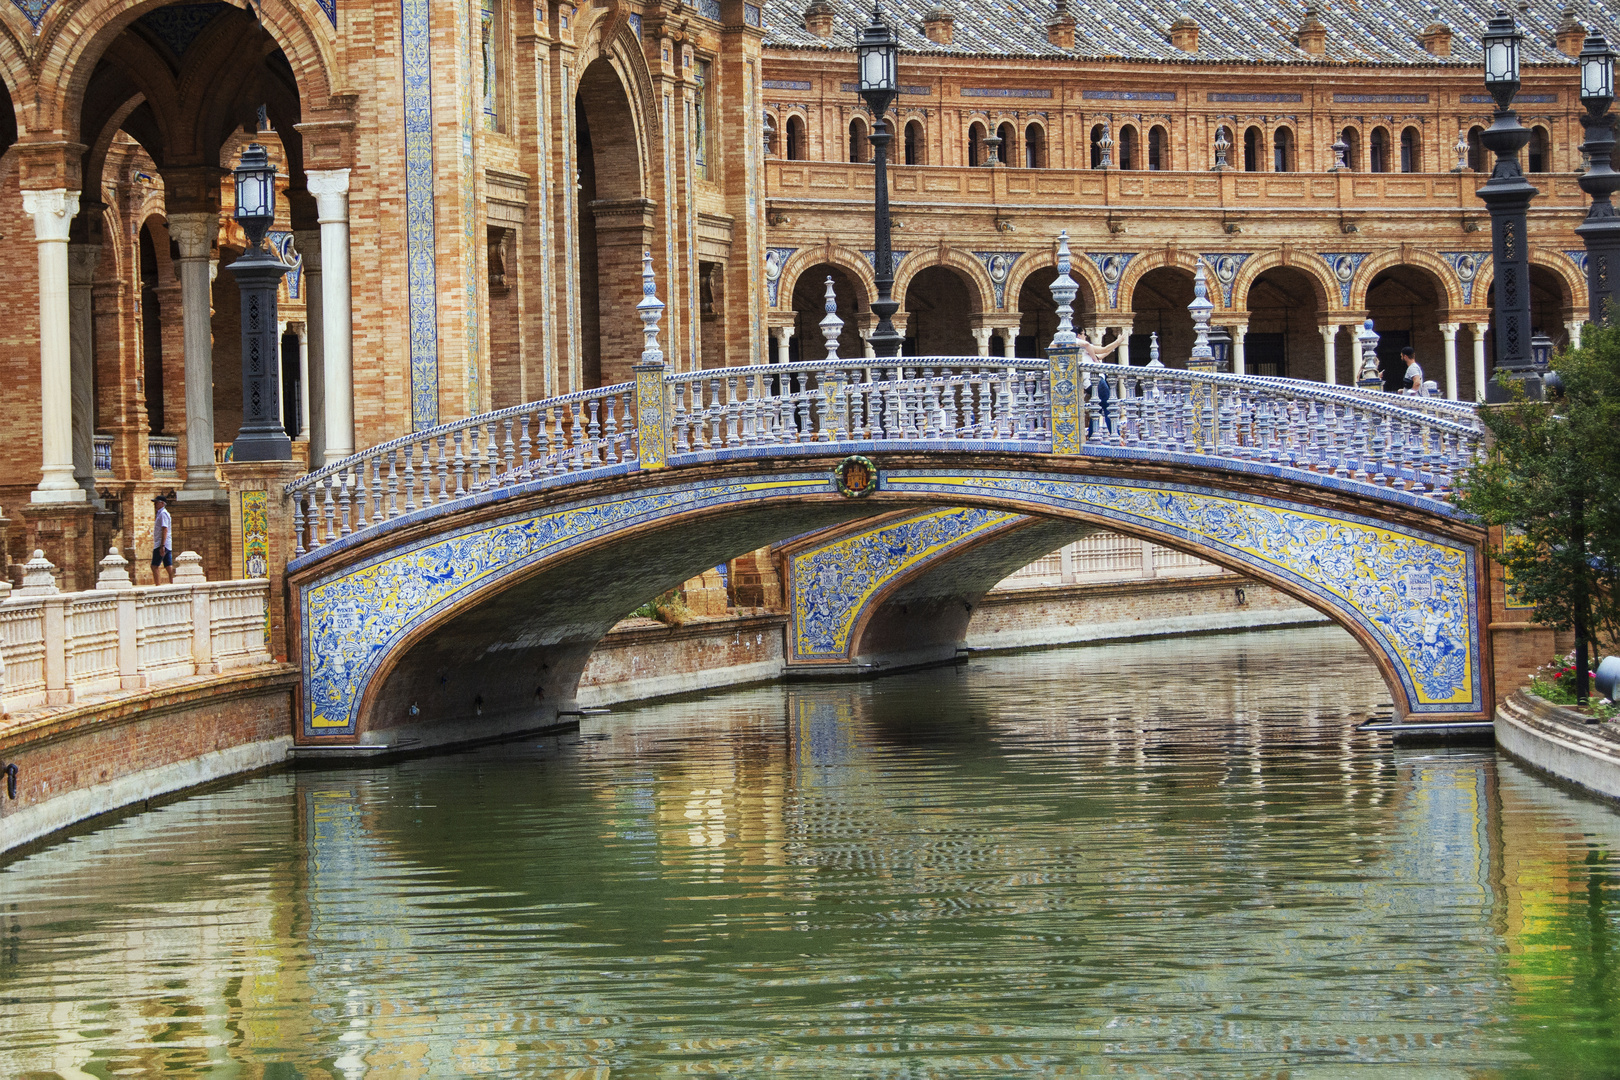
(463, 203)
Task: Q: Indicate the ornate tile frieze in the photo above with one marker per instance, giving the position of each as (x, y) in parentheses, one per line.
(834, 585)
(1343, 265)
(999, 264)
(1112, 264)
(1224, 266)
(897, 257)
(1467, 266)
(416, 60)
(775, 259)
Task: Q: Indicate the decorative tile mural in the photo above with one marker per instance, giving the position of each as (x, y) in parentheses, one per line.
(1224, 265)
(420, 253)
(775, 259)
(833, 585)
(256, 543)
(999, 264)
(1112, 264)
(1467, 266)
(1344, 265)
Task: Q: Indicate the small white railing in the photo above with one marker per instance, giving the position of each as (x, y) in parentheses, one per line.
(63, 647)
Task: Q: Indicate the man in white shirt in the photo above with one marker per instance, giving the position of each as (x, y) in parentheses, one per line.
(1413, 379)
(162, 540)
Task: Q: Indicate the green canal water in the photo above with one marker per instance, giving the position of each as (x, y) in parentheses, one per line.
(1165, 859)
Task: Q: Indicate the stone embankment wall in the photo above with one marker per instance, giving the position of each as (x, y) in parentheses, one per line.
(1561, 743)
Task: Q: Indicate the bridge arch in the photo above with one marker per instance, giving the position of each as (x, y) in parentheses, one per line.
(460, 621)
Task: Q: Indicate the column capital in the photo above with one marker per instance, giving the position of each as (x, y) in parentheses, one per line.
(194, 232)
(1448, 330)
(83, 259)
(53, 211)
(307, 242)
(331, 190)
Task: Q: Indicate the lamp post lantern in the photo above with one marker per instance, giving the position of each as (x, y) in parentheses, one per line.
(1601, 229)
(258, 274)
(1541, 348)
(878, 52)
(1220, 343)
(1507, 195)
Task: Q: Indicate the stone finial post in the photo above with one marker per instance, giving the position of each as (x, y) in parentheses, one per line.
(1339, 148)
(1370, 378)
(1105, 150)
(1203, 357)
(188, 569)
(1153, 351)
(1063, 360)
(39, 576)
(652, 392)
(1222, 145)
(1462, 152)
(114, 572)
(832, 327)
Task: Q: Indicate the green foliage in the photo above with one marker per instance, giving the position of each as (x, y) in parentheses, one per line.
(1552, 478)
(669, 609)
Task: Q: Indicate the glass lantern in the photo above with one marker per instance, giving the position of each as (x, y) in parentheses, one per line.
(878, 52)
(1597, 72)
(255, 193)
(1500, 45)
(1541, 348)
(1220, 343)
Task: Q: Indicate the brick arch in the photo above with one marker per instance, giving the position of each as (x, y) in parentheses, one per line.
(76, 33)
(1555, 261)
(1081, 269)
(850, 261)
(980, 288)
(1176, 258)
(1327, 290)
(610, 38)
(1450, 288)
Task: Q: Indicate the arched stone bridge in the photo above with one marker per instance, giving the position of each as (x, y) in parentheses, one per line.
(450, 585)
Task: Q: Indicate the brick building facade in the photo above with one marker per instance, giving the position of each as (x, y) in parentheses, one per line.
(468, 185)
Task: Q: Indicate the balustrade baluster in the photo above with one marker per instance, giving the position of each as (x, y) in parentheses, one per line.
(576, 437)
(593, 435)
(330, 509)
(410, 477)
(458, 464)
(610, 428)
(525, 445)
(391, 508)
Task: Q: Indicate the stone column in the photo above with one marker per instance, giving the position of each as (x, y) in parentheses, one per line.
(194, 233)
(331, 190)
(82, 262)
(1122, 355)
(1479, 361)
(785, 338)
(981, 336)
(1574, 330)
(308, 242)
(302, 330)
(1330, 353)
(53, 212)
(866, 341)
(1448, 331)
(1239, 361)
(1009, 342)
(281, 396)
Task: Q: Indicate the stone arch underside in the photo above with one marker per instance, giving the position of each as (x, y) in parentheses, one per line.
(461, 622)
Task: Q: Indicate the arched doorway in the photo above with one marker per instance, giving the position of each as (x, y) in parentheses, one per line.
(939, 308)
(614, 225)
(1160, 301)
(809, 308)
(1404, 304)
(1282, 338)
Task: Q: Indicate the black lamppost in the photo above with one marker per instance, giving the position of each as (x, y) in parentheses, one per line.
(1507, 194)
(258, 273)
(878, 51)
(1601, 229)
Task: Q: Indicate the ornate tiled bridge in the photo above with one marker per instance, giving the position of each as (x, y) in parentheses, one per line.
(450, 584)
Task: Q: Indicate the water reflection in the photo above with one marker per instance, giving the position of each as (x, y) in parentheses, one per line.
(1099, 858)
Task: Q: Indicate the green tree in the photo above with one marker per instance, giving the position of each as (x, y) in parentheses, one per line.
(1552, 477)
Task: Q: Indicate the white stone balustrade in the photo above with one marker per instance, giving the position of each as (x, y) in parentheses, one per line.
(57, 648)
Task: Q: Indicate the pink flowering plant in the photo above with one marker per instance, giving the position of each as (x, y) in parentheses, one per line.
(1556, 683)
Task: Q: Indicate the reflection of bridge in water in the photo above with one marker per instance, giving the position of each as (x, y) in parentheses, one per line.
(451, 584)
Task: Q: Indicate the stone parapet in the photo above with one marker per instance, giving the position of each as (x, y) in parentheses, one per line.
(1561, 743)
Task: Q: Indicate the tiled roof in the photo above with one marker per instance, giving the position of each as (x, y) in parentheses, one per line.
(1249, 31)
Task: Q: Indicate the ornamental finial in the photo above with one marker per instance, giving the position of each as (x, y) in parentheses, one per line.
(651, 310)
(1064, 290)
(832, 327)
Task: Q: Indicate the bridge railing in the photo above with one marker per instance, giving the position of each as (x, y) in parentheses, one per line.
(567, 434)
(1376, 438)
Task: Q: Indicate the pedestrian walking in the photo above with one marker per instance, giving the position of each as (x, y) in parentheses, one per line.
(162, 540)
(1413, 379)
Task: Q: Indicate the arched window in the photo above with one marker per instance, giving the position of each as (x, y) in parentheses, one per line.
(976, 144)
(1127, 147)
(1352, 142)
(1378, 150)
(914, 143)
(1158, 147)
(857, 140)
(1476, 150)
(1254, 148)
(1411, 150)
(1222, 134)
(795, 139)
(1097, 133)
(1282, 151)
(1537, 155)
(770, 135)
(1008, 136)
(1034, 147)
